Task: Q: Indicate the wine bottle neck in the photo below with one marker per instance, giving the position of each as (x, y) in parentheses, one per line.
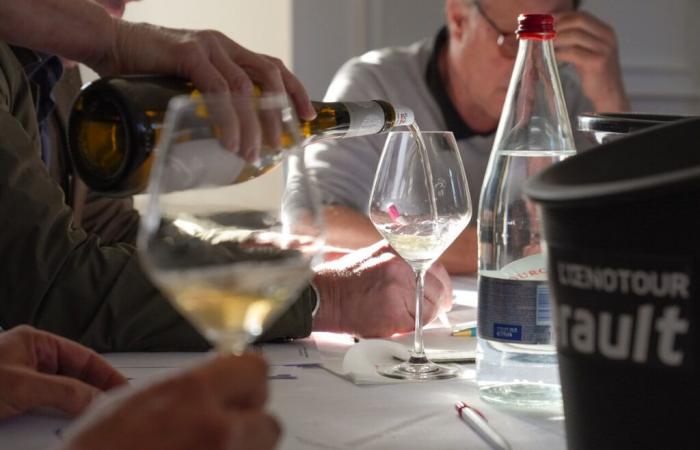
(404, 116)
(359, 119)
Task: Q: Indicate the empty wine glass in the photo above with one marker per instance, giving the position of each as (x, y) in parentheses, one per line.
(420, 203)
(220, 248)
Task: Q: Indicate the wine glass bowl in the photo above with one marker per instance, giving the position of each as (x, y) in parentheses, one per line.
(228, 260)
(420, 203)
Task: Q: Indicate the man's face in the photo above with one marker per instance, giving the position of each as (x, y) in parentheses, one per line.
(478, 60)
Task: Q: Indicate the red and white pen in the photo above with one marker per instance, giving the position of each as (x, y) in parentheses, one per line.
(480, 425)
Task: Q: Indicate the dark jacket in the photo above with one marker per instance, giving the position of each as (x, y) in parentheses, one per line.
(58, 277)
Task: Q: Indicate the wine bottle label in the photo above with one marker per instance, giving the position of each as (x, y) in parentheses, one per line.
(365, 118)
(514, 303)
(200, 163)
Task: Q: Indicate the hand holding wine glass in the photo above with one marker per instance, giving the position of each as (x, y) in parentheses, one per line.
(420, 203)
(350, 285)
(219, 405)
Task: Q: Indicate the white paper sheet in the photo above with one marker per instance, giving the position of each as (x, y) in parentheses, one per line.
(358, 363)
(301, 352)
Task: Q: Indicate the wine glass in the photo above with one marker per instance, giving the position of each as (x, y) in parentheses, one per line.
(420, 203)
(218, 245)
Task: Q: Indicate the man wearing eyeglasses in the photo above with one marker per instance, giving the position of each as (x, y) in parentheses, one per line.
(457, 81)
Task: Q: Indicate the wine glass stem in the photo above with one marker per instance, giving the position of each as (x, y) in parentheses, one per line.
(235, 346)
(418, 353)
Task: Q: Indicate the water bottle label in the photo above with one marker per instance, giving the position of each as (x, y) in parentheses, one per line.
(515, 311)
(365, 118)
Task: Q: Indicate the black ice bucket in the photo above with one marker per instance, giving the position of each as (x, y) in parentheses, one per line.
(622, 229)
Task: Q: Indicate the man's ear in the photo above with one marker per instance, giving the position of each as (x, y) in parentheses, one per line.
(457, 15)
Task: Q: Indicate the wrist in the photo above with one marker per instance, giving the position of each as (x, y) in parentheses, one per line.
(104, 57)
(99, 37)
(327, 317)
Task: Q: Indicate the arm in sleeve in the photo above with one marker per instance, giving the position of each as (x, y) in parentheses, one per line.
(58, 278)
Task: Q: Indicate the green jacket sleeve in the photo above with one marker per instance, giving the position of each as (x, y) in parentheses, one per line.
(61, 279)
(58, 278)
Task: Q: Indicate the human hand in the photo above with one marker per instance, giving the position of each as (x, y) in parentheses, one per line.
(216, 406)
(219, 67)
(84, 31)
(215, 63)
(371, 293)
(590, 45)
(41, 369)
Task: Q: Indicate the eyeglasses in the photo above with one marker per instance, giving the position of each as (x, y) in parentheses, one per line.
(507, 40)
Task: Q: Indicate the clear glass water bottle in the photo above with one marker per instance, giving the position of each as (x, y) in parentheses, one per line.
(516, 359)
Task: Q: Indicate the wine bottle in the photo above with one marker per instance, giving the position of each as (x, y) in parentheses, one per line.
(115, 125)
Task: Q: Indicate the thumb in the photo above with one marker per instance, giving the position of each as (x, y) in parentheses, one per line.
(28, 389)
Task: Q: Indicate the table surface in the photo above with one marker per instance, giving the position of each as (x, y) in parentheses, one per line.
(321, 410)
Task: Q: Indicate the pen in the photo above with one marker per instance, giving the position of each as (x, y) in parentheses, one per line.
(478, 423)
(464, 329)
(468, 332)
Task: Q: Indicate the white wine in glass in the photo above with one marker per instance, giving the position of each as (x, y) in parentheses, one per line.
(229, 262)
(420, 203)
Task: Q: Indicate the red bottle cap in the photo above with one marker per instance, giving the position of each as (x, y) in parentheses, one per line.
(535, 26)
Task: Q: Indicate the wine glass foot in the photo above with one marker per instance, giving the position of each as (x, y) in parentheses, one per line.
(422, 371)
